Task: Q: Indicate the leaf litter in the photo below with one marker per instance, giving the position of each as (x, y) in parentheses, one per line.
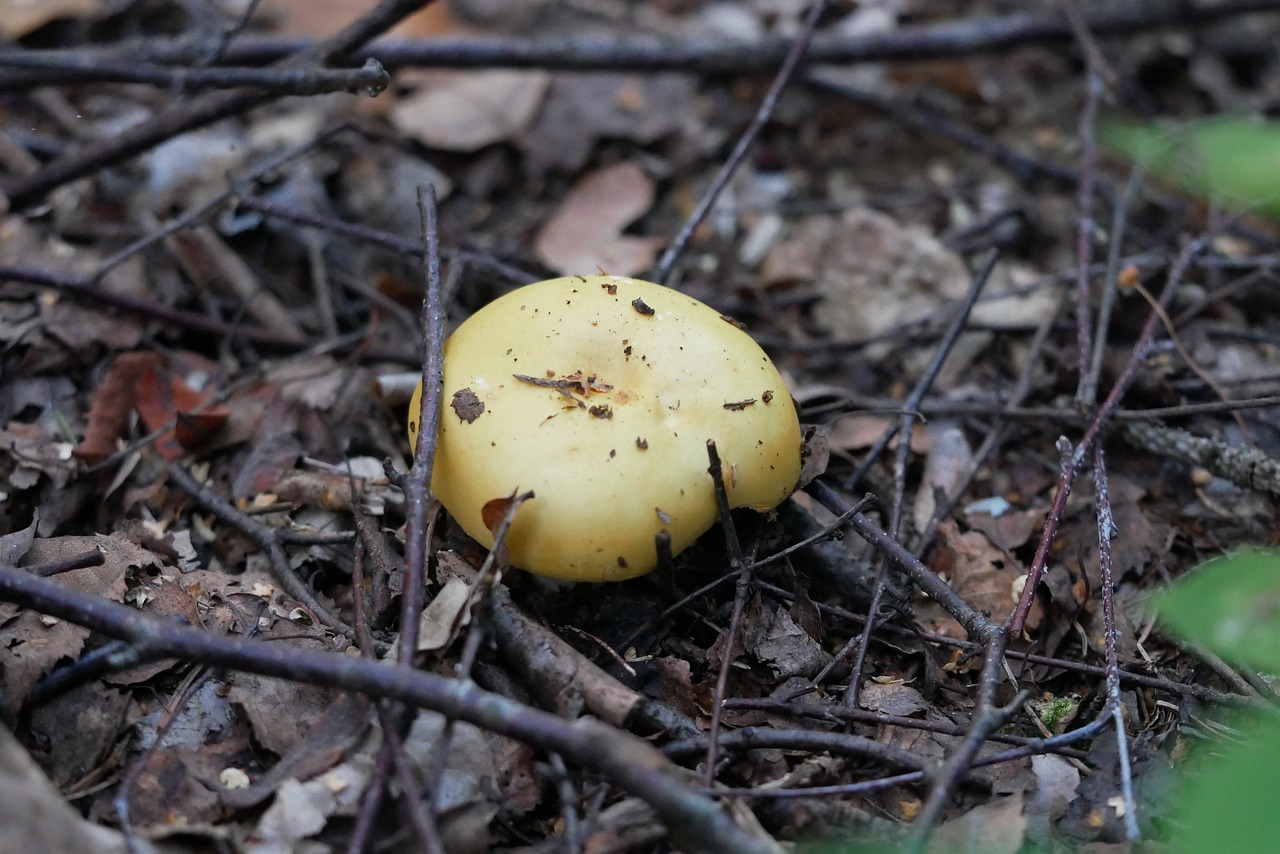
(841, 245)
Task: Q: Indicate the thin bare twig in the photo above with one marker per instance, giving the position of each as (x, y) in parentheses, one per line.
(1077, 457)
(1110, 288)
(1086, 392)
(267, 538)
(637, 53)
(65, 67)
(1247, 467)
(417, 483)
(996, 435)
(737, 564)
(694, 822)
(199, 112)
(1201, 692)
(911, 404)
(417, 540)
(987, 718)
(1106, 531)
(975, 624)
(666, 265)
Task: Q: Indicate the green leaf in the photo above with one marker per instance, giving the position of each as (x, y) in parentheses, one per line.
(1234, 160)
(1228, 802)
(1230, 605)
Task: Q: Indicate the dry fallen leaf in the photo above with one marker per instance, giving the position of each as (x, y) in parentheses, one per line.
(979, 572)
(950, 458)
(996, 827)
(33, 644)
(325, 17)
(872, 272)
(777, 642)
(859, 432)
(19, 18)
(467, 110)
(580, 109)
(891, 699)
(585, 234)
(161, 389)
(34, 816)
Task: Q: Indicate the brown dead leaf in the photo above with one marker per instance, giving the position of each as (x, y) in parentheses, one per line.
(467, 110)
(859, 432)
(517, 776)
(325, 17)
(496, 510)
(892, 698)
(33, 643)
(161, 597)
(34, 816)
(281, 713)
(1140, 536)
(180, 783)
(159, 388)
(112, 406)
(14, 546)
(20, 18)
(36, 452)
(270, 461)
(981, 573)
(873, 273)
(313, 381)
(675, 686)
(579, 109)
(585, 234)
(776, 641)
(445, 616)
(949, 461)
(341, 727)
(77, 730)
(996, 827)
(79, 326)
(806, 614)
(1010, 529)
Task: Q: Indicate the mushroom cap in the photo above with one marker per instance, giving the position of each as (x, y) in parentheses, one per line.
(599, 394)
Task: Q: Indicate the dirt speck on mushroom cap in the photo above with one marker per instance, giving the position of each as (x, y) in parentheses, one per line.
(548, 361)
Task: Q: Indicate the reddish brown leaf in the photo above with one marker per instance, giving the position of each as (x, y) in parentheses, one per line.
(162, 393)
(112, 406)
(496, 510)
(159, 390)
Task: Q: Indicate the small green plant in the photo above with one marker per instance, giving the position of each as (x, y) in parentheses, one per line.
(1226, 799)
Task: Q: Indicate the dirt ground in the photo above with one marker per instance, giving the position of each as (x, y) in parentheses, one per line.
(213, 538)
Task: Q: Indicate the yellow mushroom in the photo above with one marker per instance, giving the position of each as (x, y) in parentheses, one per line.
(599, 394)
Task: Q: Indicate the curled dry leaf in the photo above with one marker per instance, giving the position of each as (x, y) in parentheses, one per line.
(580, 109)
(997, 827)
(893, 698)
(950, 458)
(776, 641)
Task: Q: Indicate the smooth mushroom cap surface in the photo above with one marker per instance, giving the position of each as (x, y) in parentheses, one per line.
(599, 394)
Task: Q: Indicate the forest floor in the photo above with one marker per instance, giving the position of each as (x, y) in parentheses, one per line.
(211, 273)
